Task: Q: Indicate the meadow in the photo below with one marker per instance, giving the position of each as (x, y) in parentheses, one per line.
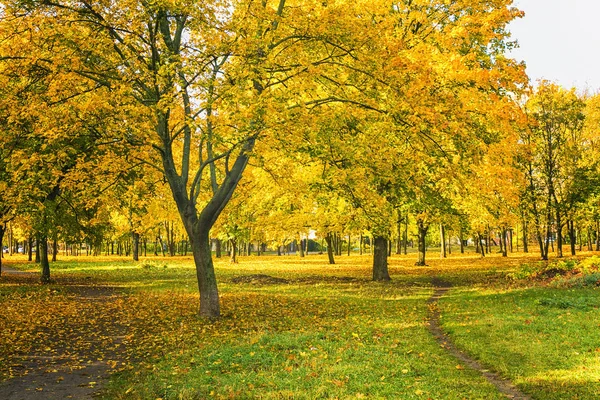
(299, 328)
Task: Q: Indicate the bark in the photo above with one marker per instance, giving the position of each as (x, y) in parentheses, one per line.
(136, 245)
(349, 247)
(462, 241)
(525, 237)
(559, 241)
(207, 281)
(422, 228)
(380, 256)
(598, 235)
(10, 240)
(218, 251)
(37, 249)
(29, 249)
(162, 246)
(329, 241)
(399, 225)
(540, 240)
(233, 252)
(300, 247)
(442, 241)
(43, 250)
(480, 240)
(54, 249)
(405, 238)
(572, 237)
(360, 245)
(2, 230)
(503, 241)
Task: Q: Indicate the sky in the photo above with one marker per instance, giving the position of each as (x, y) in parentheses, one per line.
(559, 40)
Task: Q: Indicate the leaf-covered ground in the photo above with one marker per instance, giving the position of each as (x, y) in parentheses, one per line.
(293, 328)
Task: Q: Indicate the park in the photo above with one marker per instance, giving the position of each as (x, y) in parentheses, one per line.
(284, 199)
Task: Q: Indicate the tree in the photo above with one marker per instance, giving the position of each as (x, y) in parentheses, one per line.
(556, 120)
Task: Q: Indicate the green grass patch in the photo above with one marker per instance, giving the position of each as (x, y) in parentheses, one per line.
(544, 339)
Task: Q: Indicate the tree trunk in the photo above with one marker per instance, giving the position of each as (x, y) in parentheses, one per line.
(503, 241)
(205, 273)
(380, 256)
(422, 228)
(598, 235)
(480, 240)
(405, 237)
(329, 241)
(559, 241)
(525, 237)
(43, 250)
(136, 245)
(10, 240)
(399, 225)
(2, 230)
(29, 249)
(233, 253)
(218, 252)
(572, 237)
(442, 241)
(37, 249)
(360, 245)
(349, 247)
(462, 241)
(54, 249)
(300, 247)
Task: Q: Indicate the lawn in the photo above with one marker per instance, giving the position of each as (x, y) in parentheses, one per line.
(300, 328)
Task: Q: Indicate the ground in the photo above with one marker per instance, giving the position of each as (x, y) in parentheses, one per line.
(296, 328)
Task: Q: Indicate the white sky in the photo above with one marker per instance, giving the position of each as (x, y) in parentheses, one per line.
(560, 41)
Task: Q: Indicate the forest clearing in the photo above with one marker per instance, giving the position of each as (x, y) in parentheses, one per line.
(301, 328)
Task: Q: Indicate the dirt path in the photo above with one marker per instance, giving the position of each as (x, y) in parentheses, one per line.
(504, 386)
(10, 271)
(75, 364)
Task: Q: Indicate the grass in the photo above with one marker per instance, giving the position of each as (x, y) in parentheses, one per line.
(321, 331)
(545, 340)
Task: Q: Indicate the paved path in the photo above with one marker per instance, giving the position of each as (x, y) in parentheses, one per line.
(10, 271)
(72, 369)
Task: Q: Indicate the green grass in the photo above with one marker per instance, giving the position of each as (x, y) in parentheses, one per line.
(544, 339)
(309, 341)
